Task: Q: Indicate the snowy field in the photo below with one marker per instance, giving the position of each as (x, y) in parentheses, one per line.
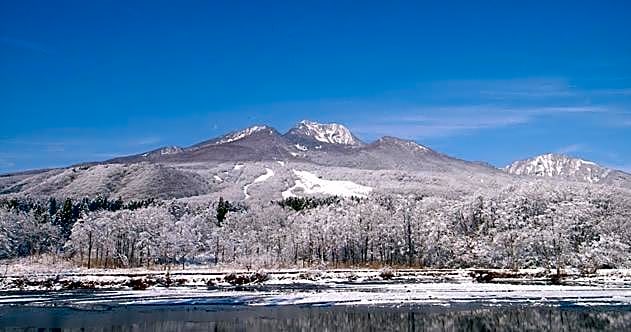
(314, 288)
(309, 183)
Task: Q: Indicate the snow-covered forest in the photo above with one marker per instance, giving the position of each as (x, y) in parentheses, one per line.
(534, 224)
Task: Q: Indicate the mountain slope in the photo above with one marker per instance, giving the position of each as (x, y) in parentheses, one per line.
(250, 144)
(396, 154)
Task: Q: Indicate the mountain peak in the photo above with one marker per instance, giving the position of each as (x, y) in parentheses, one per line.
(328, 133)
(559, 165)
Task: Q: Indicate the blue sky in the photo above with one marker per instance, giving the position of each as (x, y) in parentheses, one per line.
(492, 81)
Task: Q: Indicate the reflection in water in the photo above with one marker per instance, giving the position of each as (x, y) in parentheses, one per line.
(174, 318)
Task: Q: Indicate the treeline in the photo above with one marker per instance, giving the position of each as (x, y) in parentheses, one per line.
(520, 227)
(33, 226)
(530, 225)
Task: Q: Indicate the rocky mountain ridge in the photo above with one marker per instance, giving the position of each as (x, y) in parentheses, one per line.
(560, 166)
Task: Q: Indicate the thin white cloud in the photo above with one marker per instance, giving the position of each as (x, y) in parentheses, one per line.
(145, 141)
(451, 121)
(61, 145)
(504, 90)
(6, 164)
(442, 123)
(567, 109)
(572, 148)
(613, 92)
(525, 88)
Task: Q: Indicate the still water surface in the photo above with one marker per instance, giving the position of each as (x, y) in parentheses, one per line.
(295, 318)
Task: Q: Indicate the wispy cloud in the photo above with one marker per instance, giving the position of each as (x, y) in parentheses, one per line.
(523, 88)
(432, 128)
(439, 122)
(144, 141)
(572, 148)
(6, 164)
(456, 107)
(428, 122)
(612, 92)
(56, 145)
(25, 45)
(40, 142)
(566, 109)
(533, 88)
(21, 151)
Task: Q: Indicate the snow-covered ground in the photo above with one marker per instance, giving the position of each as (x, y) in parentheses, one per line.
(311, 184)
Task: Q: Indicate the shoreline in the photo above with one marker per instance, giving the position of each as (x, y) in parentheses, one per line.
(317, 288)
(142, 279)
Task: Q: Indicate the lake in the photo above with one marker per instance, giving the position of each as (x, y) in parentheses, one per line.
(313, 318)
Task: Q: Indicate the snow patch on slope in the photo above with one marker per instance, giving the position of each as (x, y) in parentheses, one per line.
(241, 134)
(268, 174)
(310, 184)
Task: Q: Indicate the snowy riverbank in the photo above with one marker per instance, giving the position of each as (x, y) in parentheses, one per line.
(312, 287)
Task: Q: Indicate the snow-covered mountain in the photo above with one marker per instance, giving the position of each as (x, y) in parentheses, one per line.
(311, 133)
(553, 165)
(257, 143)
(269, 163)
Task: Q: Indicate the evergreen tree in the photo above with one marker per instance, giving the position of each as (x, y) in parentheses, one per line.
(223, 207)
